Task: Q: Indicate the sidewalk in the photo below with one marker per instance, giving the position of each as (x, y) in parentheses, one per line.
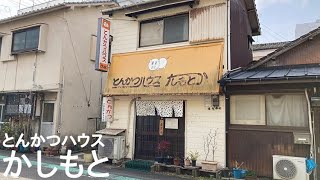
(115, 172)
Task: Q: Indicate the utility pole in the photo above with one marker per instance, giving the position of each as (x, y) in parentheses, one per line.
(19, 4)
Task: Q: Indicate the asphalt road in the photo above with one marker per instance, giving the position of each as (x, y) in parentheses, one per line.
(49, 163)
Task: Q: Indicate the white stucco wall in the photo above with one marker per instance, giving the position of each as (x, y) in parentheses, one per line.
(198, 122)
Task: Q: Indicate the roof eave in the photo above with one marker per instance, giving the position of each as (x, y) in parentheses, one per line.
(52, 9)
(27, 15)
(253, 17)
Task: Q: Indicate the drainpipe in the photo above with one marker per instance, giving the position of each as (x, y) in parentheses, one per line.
(132, 102)
(310, 123)
(227, 115)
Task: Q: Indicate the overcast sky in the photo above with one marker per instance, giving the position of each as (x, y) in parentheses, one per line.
(277, 17)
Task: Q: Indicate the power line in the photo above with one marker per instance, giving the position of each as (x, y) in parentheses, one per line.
(279, 35)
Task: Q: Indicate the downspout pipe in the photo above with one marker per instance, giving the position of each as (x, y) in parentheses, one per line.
(132, 102)
(310, 123)
(227, 116)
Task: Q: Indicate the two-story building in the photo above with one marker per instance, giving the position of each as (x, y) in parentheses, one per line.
(167, 56)
(47, 71)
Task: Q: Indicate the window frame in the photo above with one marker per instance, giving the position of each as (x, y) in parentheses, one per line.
(266, 126)
(262, 109)
(163, 33)
(13, 52)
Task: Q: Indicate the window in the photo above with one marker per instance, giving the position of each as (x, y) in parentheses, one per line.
(1, 113)
(248, 110)
(288, 110)
(25, 40)
(250, 41)
(164, 31)
(48, 112)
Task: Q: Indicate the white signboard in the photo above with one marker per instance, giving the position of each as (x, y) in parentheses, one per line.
(156, 64)
(103, 42)
(107, 109)
(172, 123)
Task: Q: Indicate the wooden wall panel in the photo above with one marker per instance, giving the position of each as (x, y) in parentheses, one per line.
(255, 149)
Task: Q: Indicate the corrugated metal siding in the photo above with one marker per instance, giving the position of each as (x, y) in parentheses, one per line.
(208, 23)
(255, 149)
(306, 53)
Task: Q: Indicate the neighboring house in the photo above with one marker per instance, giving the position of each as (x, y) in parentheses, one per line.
(304, 28)
(261, 50)
(47, 68)
(269, 111)
(167, 57)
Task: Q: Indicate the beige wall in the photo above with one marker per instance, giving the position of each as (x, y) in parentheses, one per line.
(37, 71)
(258, 54)
(57, 66)
(80, 81)
(199, 120)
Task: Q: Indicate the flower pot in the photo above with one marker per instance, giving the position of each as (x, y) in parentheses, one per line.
(209, 165)
(187, 162)
(194, 163)
(88, 158)
(176, 162)
(239, 173)
(159, 159)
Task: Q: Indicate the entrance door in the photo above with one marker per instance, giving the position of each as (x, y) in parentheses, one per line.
(47, 125)
(148, 137)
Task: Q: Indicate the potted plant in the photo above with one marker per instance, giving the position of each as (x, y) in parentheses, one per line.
(162, 148)
(176, 160)
(187, 162)
(251, 175)
(210, 146)
(194, 156)
(237, 172)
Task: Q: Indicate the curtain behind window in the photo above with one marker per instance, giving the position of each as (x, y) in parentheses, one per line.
(248, 109)
(286, 110)
(151, 33)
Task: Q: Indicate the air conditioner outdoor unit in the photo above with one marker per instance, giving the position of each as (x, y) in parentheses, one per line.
(114, 147)
(290, 168)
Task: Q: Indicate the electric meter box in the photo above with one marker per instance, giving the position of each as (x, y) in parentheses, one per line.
(302, 138)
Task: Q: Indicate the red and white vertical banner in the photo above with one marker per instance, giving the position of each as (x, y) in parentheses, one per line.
(107, 109)
(103, 45)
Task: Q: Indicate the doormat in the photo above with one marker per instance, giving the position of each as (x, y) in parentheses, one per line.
(142, 165)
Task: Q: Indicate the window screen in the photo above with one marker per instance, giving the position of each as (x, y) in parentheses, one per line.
(48, 111)
(27, 39)
(176, 29)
